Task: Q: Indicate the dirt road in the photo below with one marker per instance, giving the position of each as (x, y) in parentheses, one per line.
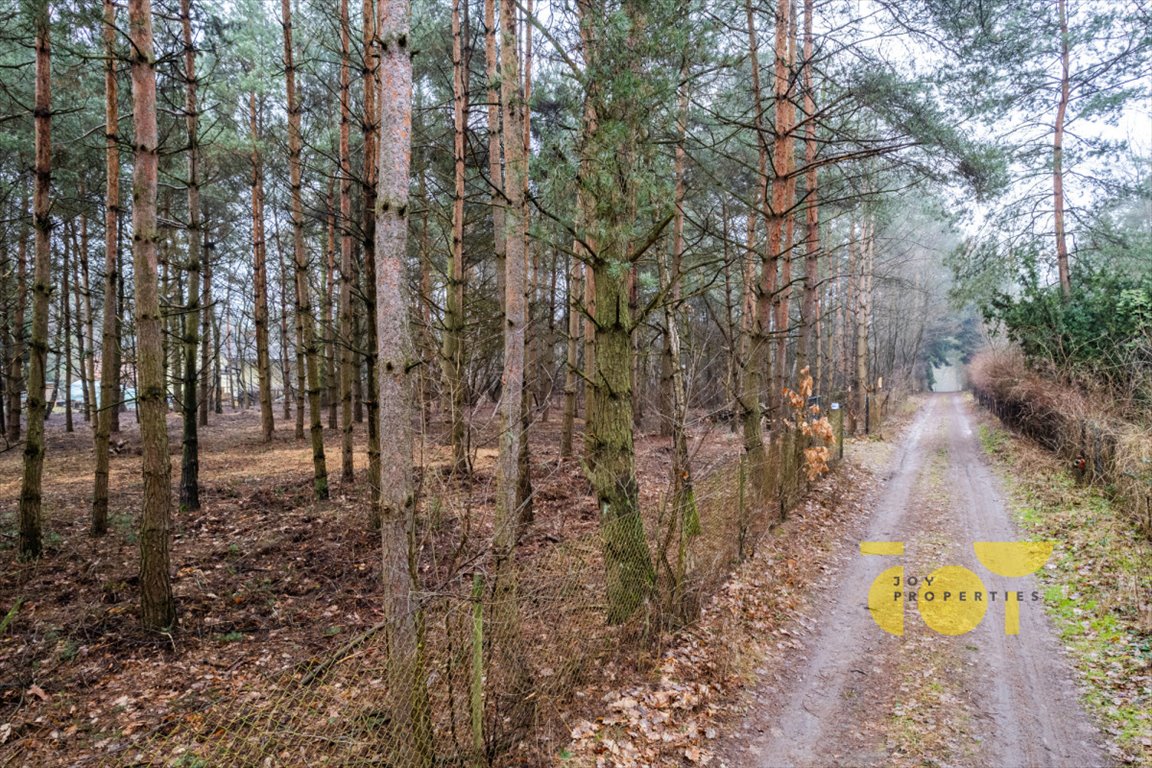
(855, 695)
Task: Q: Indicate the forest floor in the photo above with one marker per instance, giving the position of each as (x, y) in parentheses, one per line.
(785, 666)
(266, 579)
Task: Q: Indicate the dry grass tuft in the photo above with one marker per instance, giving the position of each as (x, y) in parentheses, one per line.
(1101, 448)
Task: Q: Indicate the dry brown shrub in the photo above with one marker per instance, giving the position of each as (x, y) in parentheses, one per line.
(1101, 447)
(1133, 475)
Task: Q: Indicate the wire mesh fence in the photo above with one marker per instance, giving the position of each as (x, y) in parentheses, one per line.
(485, 668)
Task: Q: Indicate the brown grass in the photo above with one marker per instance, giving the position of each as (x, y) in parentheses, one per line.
(1101, 448)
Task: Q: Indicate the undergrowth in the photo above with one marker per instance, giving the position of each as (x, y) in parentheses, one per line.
(1097, 586)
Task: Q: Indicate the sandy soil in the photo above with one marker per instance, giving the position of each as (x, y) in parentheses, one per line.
(857, 696)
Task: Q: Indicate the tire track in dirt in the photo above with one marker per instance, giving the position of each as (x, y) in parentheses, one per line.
(1000, 700)
(790, 727)
(1028, 691)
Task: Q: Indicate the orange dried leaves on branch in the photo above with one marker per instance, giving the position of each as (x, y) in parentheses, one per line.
(807, 420)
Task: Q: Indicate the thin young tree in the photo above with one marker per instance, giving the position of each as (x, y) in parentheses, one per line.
(495, 142)
(686, 517)
(157, 606)
(326, 344)
(285, 360)
(88, 355)
(347, 276)
(511, 496)
(454, 300)
(190, 459)
(573, 287)
(786, 127)
(30, 543)
(15, 370)
(305, 321)
(64, 330)
(523, 138)
(260, 276)
(809, 318)
(78, 324)
(5, 331)
(371, 130)
(207, 348)
(775, 274)
(754, 321)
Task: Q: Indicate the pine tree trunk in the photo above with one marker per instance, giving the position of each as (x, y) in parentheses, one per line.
(808, 308)
(372, 86)
(206, 325)
(538, 337)
(6, 340)
(546, 377)
(89, 354)
(357, 356)
(347, 277)
(609, 451)
(587, 245)
(190, 459)
(785, 126)
(495, 143)
(589, 335)
(121, 302)
(522, 136)
(773, 285)
(57, 345)
(411, 718)
(16, 361)
(754, 321)
(301, 390)
(425, 340)
(157, 608)
(171, 297)
(30, 542)
(665, 374)
(81, 367)
(849, 316)
(285, 362)
(326, 344)
(639, 351)
(217, 345)
(731, 364)
(65, 331)
(686, 517)
(454, 300)
(305, 321)
(574, 286)
(868, 254)
(511, 498)
(863, 313)
(847, 313)
(260, 277)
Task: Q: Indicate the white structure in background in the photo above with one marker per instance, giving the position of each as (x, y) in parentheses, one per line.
(949, 378)
(237, 385)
